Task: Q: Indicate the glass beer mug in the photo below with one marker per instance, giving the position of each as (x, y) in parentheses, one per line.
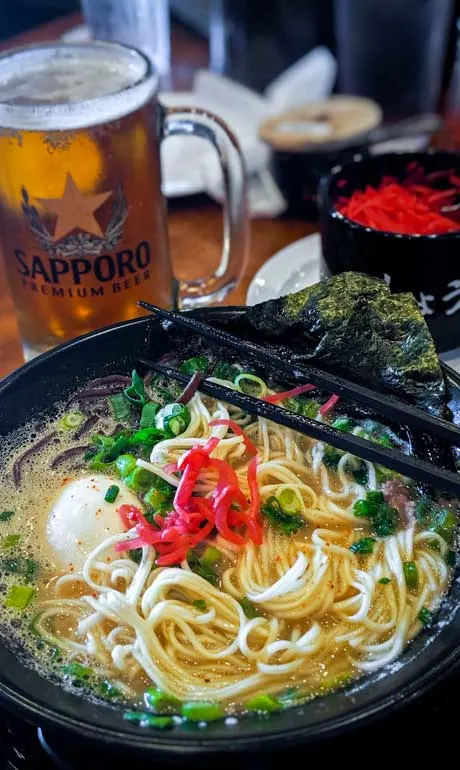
(82, 217)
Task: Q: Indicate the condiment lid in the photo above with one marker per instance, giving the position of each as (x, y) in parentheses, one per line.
(319, 124)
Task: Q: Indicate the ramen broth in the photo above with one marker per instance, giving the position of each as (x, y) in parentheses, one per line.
(352, 596)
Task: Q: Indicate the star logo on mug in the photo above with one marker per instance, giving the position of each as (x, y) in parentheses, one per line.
(75, 227)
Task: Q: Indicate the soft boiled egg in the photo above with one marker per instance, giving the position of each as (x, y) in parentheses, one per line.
(80, 519)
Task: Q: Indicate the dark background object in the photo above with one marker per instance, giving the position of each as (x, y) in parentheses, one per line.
(298, 174)
(82, 728)
(261, 38)
(393, 52)
(427, 266)
(19, 15)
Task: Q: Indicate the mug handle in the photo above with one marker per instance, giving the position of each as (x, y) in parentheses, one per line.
(215, 287)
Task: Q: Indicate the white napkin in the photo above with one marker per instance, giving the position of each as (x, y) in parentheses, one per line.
(190, 165)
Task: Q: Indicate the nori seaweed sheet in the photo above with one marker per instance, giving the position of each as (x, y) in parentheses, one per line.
(352, 324)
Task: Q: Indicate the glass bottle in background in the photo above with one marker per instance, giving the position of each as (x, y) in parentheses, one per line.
(143, 24)
(254, 41)
(448, 138)
(393, 51)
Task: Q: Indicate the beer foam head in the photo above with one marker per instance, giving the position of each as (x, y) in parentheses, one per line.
(72, 86)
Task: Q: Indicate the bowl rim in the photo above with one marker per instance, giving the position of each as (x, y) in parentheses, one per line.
(328, 206)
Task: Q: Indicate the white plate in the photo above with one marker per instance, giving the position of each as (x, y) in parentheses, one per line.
(289, 270)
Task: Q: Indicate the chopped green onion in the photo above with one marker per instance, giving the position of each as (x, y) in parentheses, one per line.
(160, 702)
(360, 473)
(10, 541)
(287, 523)
(251, 384)
(290, 501)
(375, 498)
(147, 436)
(19, 597)
(411, 574)
(77, 672)
(248, 608)
(6, 515)
(384, 581)
(139, 480)
(148, 720)
(108, 690)
(451, 558)
(192, 365)
(202, 711)
(363, 546)
(425, 616)
(334, 682)
(310, 408)
(125, 464)
(136, 391)
(55, 654)
(386, 521)
(264, 704)
(174, 419)
(331, 457)
(383, 439)
(445, 524)
(211, 556)
(345, 424)
(293, 405)
(112, 494)
(200, 604)
(159, 500)
(201, 569)
(174, 425)
(99, 465)
(23, 566)
(103, 442)
(383, 474)
(71, 420)
(149, 411)
(108, 449)
(120, 407)
(31, 568)
(424, 510)
(225, 371)
(361, 508)
(121, 442)
(135, 555)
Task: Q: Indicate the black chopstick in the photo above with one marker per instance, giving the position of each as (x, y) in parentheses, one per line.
(409, 466)
(391, 407)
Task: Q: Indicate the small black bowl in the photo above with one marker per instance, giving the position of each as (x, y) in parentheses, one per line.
(426, 265)
(298, 173)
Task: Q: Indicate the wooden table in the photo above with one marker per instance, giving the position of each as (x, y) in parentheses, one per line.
(195, 226)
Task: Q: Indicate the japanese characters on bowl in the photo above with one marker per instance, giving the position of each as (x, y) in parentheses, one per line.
(397, 216)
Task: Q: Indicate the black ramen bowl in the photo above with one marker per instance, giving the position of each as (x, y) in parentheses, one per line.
(29, 394)
(426, 265)
(298, 173)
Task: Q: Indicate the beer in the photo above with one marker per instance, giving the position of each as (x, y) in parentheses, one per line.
(82, 217)
(81, 212)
